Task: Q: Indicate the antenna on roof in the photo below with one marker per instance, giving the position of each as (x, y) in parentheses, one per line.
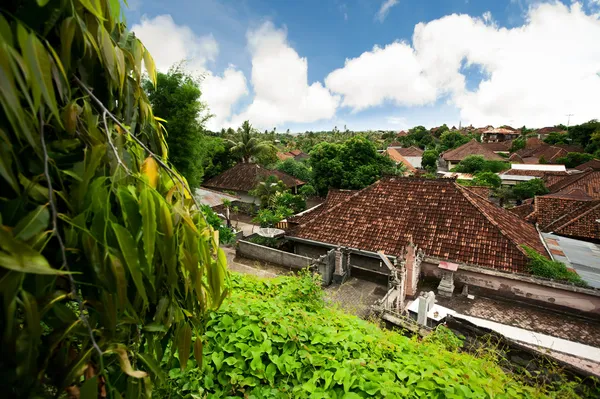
(568, 121)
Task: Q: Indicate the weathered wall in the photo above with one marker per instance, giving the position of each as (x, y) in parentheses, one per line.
(524, 288)
(311, 251)
(364, 262)
(250, 250)
(414, 161)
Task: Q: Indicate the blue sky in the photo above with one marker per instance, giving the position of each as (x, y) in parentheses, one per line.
(286, 61)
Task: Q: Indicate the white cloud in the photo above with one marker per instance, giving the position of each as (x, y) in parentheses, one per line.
(534, 74)
(384, 9)
(170, 44)
(391, 73)
(280, 83)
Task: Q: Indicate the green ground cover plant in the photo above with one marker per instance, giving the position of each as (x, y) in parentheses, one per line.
(278, 339)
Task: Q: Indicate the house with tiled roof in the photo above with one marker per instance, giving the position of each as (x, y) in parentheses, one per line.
(524, 172)
(243, 178)
(501, 147)
(297, 155)
(536, 151)
(544, 132)
(473, 147)
(594, 164)
(494, 135)
(571, 209)
(413, 154)
(395, 156)
(334, 197)
(444, 219)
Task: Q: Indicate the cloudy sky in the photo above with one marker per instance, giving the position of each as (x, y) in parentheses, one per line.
(381, 64)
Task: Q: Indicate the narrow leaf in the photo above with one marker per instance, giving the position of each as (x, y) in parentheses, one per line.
(149, 225)
(130, 254)
(150, 67)
(126, 364)
(35, 222)
(152, 365)
(18, 256)
(184, 345)
(150, 170)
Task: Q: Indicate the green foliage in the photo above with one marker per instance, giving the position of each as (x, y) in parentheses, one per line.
(529, 189)
(266, 190)
(557, 138)
(543, 267)
(276, 339)
(582, 134)
(573, 159)
(247, 146)
(176, 98)
(453, 139)
(104, 260)
(226, 235)
(354, 164)
(294, 168)
(270, 242)
(290, 201)
(307, 190)
(518, 144)
(429, 160)
(488, 179)
(270, 217)
(477, 163)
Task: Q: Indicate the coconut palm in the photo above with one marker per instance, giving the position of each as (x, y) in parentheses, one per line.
(248, 147)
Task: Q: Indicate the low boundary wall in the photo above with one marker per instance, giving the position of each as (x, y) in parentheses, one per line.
(530, 289)
(247, 249)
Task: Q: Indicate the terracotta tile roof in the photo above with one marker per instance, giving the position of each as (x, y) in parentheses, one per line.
(573, 214)
(395, 144)
(501, 146)
(402, 133)
(482, 191)
(410, 151)
(535, 149)
(522, 211)
(245, 176)
(542, 174)
(594, 164)
(334, 197)
(443, 218)
(296, 154)
(588, 181)
(396, 157)
(569, 147)
(576, 194)
(473, 147)
(584, 225)
(284, 155)
(550, 129)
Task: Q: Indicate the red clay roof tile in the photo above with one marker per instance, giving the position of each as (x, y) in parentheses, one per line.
(245, 177)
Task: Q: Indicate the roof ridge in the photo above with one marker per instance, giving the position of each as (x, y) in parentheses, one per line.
(578, 217)
(575, 209)
(578, 176)
(490, 219)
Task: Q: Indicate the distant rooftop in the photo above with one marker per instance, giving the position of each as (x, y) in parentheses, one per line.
(543, 167)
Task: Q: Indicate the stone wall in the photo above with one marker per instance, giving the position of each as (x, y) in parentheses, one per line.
(250, 250)
(521, 287)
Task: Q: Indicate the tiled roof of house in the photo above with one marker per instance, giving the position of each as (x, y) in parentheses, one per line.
(284, 155)
(410, 151)
(334, 197)
(550, 129)
(394, 155)
(443, 218)
(482, 191)
(572, 213)
(395, 144)
(570, 147)
(499, 130)
(498, 147)
(536, 150)
(588, 181)
(522, 211)
(212, 198)
(473, 147)
(245, 177)
(584, 225)
(291, 154)
(594, 164)
(402, 133)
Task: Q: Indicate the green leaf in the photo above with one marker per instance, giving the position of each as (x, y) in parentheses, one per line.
(89, 389)
(150, 67)
(184, 345)
(149, 225)
(130, 254)
(121, 281)
(217, 358)
(67, 33)
(108, 53)
(152, 365)
(6, 171)
(125, 363)
(94, 7)
(35, 222)
(270, 372)
(34, 190)
(130, 209)
(18, 256)
(198, 350)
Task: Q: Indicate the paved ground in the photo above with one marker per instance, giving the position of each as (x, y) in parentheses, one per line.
(247, 228)
(527, 317)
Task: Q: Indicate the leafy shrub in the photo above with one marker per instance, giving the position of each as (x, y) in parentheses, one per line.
(295, 168)
(488, 179)
(307, 190)
(477, 163)
(270, 242)
(544, 267)
(573, 159)
(276, 339)
(429, 160)
(226, 234)
(290, 201)
(529, 189)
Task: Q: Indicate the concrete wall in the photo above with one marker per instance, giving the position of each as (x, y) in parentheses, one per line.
(414, 161)
(364, 262)
(311, 251)
(524, 288)
(250, 250)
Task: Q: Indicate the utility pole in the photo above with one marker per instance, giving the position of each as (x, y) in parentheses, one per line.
(569, 121)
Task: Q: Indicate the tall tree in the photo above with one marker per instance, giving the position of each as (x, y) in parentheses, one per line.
(247, 145)
(176, 98)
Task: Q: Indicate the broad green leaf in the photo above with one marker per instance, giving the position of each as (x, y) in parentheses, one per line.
(120, 62)
(6, 171)
(5, 31)
(108, 53)
(18, 256)
(89, 389)
(130, 254)
(34, 190)
(118, 272)
(198, 351)
(150, 67)
(67, 33)
(94, 7)
(149, 225)
(152, 365)
(270, 372)
(32, 224)
(125, 363)
(184, 345)
(130, 209)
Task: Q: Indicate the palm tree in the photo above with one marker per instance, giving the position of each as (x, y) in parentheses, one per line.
(267, 189)
(247, 147)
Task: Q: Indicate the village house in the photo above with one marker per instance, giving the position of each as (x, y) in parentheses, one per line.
(502, 147)
(243, 178)
(495, 135)
(536, 151)
(414, 155)
(394, 155)
(296, 155)
(473, 147)
(445, 220)
(544, 132)
(524, 172)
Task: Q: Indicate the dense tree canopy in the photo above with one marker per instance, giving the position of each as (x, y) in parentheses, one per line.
(529, 189)
(429, 160)
(453, 139)
(176, 99)
(488, 179)
(573, 159)
(477, 163)
(106, 264)
(248, 146)
(353, 165)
